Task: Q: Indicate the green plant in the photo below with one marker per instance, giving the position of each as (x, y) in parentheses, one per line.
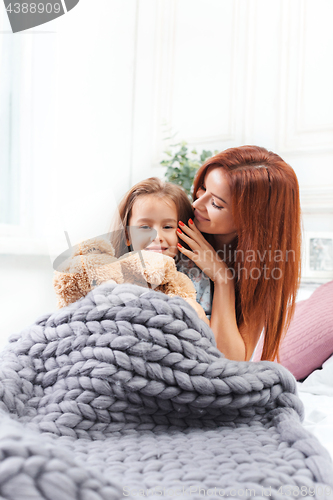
(182, 165)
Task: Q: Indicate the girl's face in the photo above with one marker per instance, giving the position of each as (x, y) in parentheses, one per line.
(151, 213)
(212, 208)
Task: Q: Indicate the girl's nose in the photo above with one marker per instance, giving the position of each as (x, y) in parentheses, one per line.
(159, 236)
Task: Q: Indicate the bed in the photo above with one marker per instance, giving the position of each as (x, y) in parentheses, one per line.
(316, 393)
(312, 336)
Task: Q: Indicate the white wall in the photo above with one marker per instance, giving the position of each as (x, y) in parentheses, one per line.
(100, 83)
(236, 72)
(26, 292)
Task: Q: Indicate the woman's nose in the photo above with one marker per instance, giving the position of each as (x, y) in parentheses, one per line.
(199, 202)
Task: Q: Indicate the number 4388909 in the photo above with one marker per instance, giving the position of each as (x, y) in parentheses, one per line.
(33, 8)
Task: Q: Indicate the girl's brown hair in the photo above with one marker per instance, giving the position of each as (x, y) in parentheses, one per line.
(266, 254)
(152, 186)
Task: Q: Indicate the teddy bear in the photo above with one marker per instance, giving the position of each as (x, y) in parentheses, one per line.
(93, 262)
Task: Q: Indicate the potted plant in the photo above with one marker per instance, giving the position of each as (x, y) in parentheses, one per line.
(182, 165)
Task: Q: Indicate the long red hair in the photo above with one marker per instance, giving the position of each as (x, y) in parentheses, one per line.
(266, 254)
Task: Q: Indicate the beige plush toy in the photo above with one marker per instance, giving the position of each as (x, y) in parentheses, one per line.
(92, 263)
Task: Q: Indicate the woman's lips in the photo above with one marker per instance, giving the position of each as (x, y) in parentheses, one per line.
(199, 217)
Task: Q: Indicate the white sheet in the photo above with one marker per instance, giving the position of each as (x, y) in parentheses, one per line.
(316, 393)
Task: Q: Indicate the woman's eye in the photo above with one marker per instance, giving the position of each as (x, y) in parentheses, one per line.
(202, 188)
(216, 206)
(169, 227)
(144, 227)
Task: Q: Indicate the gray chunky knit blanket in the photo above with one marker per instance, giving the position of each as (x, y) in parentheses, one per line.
(123, 394)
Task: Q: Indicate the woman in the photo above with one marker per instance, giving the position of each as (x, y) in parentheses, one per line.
(246, 237)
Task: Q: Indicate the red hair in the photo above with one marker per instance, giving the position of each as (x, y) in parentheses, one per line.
(266, 254)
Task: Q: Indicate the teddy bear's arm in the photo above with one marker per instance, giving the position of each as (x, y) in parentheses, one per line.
(66, 288)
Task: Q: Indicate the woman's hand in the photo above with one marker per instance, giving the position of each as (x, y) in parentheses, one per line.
(202, 253)
(223, 318)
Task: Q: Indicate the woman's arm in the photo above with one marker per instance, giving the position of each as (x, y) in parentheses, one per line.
(229, 338)
(223, 321)
(223, 317)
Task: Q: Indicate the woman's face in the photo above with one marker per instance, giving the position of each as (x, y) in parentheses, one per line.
(212, 208)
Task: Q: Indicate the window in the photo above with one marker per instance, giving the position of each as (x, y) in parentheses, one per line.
(10, 70)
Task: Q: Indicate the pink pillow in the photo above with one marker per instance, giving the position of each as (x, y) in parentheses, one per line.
(309, 339)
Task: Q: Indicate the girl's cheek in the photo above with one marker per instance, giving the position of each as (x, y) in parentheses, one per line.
(139, 239)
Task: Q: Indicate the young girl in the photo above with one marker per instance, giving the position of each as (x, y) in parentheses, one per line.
(149, 213)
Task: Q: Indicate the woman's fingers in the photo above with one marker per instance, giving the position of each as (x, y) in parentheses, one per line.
(193, 232)
(187, 239)
(190, 228)
(193, 237)
(191, 255)
(201, 253)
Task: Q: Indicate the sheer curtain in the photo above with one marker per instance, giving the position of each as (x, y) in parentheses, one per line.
(10, 71)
